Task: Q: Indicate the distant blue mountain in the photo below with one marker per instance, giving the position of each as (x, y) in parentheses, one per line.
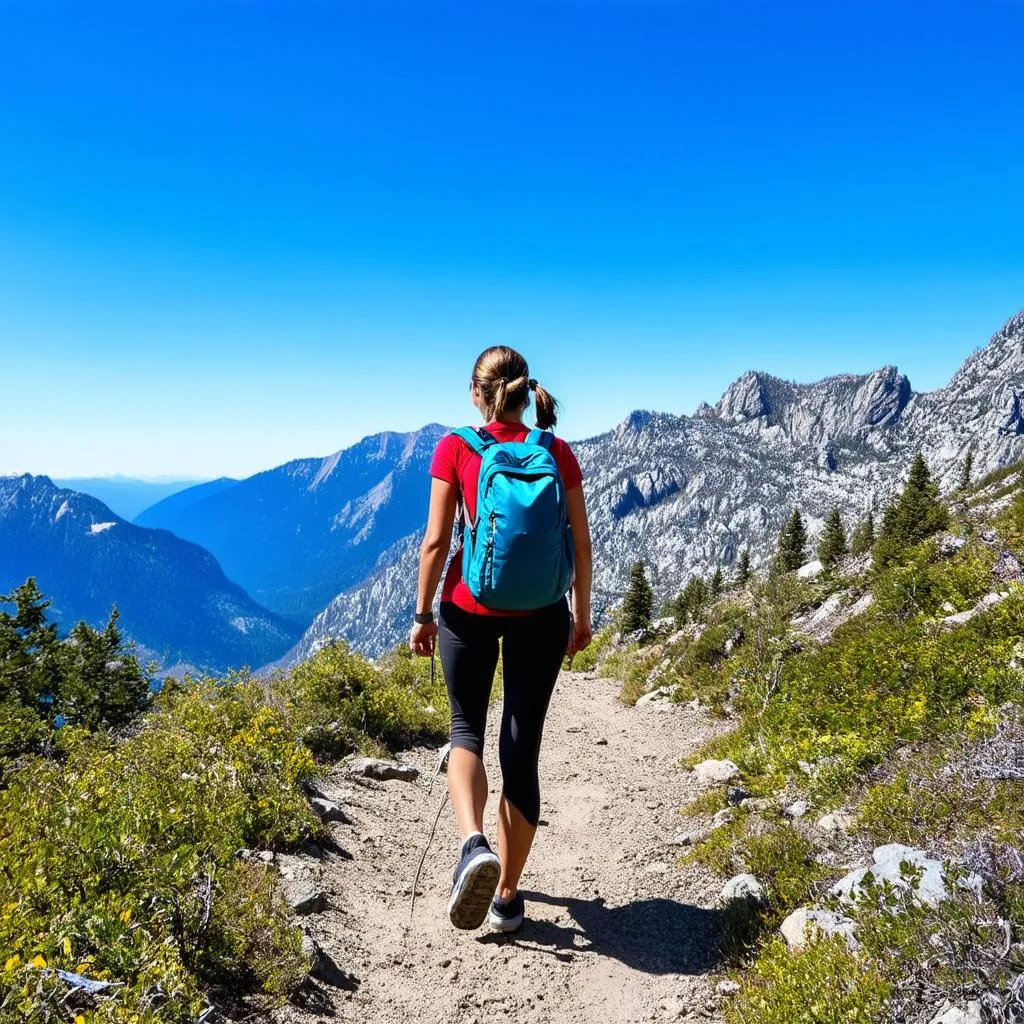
(174, 599)
(164, 513)
(297, 535)
(125, 495)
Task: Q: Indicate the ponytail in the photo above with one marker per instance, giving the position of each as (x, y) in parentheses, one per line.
(504, 380)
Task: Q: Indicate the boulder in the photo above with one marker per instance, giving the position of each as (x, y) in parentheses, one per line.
(952, 1014)
(659, 695)
(714, 773)
(836, 821)
(373, 768)
(736, 795)
(887, 867)
(988, 601)
(949, 544)
(757, 803)
(743, 887)
(328, 810)
(804, 924)
(727, 987)
(811, 570)
(722, 817)
(797, 809)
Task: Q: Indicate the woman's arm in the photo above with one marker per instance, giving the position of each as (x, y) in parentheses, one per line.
(576, 508)
(433, 553)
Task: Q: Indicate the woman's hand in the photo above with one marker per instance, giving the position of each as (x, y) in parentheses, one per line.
(421, 640)
(580, 637)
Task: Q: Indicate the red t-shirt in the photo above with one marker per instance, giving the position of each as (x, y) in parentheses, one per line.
(455, 462)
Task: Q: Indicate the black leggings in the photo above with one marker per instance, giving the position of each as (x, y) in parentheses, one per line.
(532, 653)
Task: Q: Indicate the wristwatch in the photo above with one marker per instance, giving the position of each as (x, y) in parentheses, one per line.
(423, 618)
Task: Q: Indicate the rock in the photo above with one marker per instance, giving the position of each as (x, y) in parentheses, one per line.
(888, 859)
(797, 809)
(727, 987)
(836, 821)
(602, 742)
(949, 544)
(657, 868)
(328, 810)
(372, 768)
(722, 817)
(322, 967)
(948, 607)
(803, 924)
(811, 570)
(302, 884)
(736, 795)
(1008, 569)
(712, 772)
(988, 601)
(952, 1014)
(743, 887)
(806, 767)
(757, 803)
(683, 839)
(659, 695)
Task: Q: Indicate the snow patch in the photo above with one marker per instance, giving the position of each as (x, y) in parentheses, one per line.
(64, 508)
(240, 623)
(100, 527)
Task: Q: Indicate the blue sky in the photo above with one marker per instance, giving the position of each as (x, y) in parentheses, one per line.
(237, 233)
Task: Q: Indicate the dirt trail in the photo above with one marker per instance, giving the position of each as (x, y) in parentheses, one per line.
(615, 930)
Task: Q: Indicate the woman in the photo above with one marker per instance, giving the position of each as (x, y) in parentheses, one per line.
(534, 645)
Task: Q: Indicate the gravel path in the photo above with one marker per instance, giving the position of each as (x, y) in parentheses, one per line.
(616, 931)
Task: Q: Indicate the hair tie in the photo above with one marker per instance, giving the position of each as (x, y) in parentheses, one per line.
(503, 380)
(532, 384)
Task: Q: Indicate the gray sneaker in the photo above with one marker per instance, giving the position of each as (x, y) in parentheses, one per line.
(507, 917)
(473, 883)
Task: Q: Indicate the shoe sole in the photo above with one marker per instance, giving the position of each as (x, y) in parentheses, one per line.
(505, 924)
(471, 898)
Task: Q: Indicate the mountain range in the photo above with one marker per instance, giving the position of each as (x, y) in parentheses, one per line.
(330, 545)
(173, 598)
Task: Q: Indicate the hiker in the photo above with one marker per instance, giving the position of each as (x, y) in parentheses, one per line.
(525, 543)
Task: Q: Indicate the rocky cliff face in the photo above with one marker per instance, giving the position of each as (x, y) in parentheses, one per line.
(688, 492)
(173, 597)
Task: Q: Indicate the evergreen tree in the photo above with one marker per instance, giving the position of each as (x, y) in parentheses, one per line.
(717, 582)
(692, 601)
(832, 546)
(792, 551)
(915, 515)
(968, 469)
(742, 568)
(638, 602)
(863, 538)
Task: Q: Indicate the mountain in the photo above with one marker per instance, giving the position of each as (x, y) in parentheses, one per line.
(163, 514)
(174, 599)
(686, 493)
(125, 495)
(297, 535)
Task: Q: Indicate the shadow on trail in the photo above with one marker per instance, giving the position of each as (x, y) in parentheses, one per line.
(655, 936)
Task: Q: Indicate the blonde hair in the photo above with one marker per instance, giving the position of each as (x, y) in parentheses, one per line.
(504, 380)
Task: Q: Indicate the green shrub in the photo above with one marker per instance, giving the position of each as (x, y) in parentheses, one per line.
(825, 984)
(587, 660)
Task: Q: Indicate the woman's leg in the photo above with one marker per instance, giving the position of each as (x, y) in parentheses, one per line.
(468, 645)
(532, 656)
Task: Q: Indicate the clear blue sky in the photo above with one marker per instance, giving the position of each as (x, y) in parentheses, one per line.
(236, 233)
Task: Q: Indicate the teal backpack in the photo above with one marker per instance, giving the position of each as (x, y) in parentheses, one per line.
(518, 555)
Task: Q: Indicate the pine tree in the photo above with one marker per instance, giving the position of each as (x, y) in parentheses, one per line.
(717, 582)
(863, 538)
(742, 568)
(792, 552)
(968, 469)
(692, 601)
(832, 546)
(638, 602)
(915, 515)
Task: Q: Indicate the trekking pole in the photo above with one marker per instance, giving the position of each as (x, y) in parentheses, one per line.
(442, 761)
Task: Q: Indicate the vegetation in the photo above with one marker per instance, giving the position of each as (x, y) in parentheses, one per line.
(832, 546)
(742, 568)
(123, 816)
(792, 548)
(916, 514)
(863, 538)
(638, 604)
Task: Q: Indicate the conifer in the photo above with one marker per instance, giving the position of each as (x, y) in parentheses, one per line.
(742, 568)
(717, 582)
(792, 551)
(863, 538)
(832, 547)
(967, 471)
(915, 515)
(638, 602)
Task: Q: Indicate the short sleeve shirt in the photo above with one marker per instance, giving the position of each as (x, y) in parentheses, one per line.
(456, 463)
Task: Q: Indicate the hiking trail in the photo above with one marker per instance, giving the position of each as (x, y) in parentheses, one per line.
(615, 932)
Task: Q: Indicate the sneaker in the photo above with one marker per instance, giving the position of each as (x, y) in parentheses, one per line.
(473, 884)
(507, 917)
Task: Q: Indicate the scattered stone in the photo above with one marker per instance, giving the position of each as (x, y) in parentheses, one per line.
(803, 924)
(837, 821)
(657, 868)
(328, 810)
(682, 839)
(712, 772)
(602, 742)
(302, 884)
(988, 601)
(989, 536)
(373, 768)
(797, 809)
(757, 803)
(950, 544)
(736, 795)
(811, 570)
(952, 1014)
(659, 695)
(722, 817)
(806, 767)
(931, 888)
(948, 607)
(743, 887)
(1008, 569)
(727, 987)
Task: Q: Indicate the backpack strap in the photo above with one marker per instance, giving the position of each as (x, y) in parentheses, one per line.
(542, 437)
(477, 438)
